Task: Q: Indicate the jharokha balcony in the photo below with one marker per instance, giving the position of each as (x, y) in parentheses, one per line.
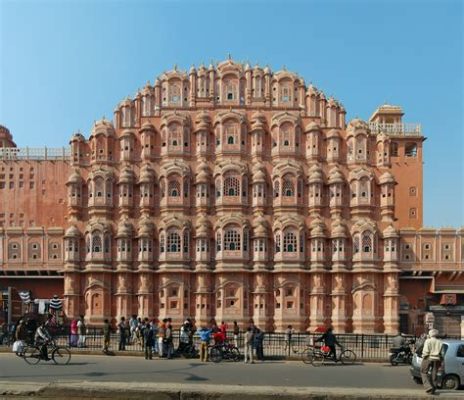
(396, 129)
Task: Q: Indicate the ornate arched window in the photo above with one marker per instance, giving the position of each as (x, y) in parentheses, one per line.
(277, 243)
(218, 241)
(175, 136)
(367, 242)
(230, 90)
(173, 188)
(99, 187)
(175, 94)
(173, 242)
(186, 241)
(276, 188)
(245, 239)
(290, 242)
(162, 243)
(285, 92)
(232, 239)
(231, 133)
(96, 243)
(231, 186)
(356, 244)
(286, 132)
(288, 188)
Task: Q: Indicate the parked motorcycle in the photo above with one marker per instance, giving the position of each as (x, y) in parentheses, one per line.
(402, 355)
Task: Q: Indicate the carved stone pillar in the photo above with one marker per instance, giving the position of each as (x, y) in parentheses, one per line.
(145, 295)
(391, 303)
(123, 296)
(317, 295)
(203, 299)
(72, 297)
(339, 298)
(261, 302)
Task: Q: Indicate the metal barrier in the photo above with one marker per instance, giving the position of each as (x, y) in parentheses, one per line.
(276, 345)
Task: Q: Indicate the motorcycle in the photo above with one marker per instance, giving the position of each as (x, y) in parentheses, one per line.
(401, 355)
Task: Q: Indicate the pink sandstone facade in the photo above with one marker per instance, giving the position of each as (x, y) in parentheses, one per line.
(232, 192)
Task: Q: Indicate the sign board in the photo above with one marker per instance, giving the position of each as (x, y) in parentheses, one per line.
(448, 299)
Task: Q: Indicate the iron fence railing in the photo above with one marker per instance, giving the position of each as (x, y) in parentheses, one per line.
(276, 345)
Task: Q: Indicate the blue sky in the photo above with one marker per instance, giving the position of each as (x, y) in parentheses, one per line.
(64, 64)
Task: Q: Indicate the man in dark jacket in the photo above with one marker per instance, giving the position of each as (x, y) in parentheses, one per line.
(330, 341)
(258, 343)
(106, 335)
(122, 327)
(148, 339)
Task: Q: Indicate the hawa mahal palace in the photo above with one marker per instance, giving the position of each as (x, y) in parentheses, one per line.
(233, 192)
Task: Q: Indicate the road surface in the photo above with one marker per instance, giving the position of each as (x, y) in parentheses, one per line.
(271, 373)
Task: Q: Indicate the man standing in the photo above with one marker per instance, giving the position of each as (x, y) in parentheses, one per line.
(81, 331)
(122, 327)
(106, 335)
(236, 333)
(148, 340)
(431, 358)
(258, 344)
(249, 336)
(161, 333)
(168, 339)
(205, 336)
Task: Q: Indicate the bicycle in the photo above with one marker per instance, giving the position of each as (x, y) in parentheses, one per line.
(318, 355)
(224, 351)
(305, 353)
(59, 355)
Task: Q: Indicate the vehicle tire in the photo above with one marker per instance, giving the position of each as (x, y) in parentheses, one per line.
(61, 356)
(417, 380)
(31, 355)
(235, 354)
(348, 357)
(450, 382)
(306, 356)
(393, 360)
(317, 359)
(215, 354)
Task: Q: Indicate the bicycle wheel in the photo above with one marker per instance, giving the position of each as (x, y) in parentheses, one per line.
(31, 355)
(317, 358)
(215, 354)
(307, 356)
(234, 354)
(348, 357)
(61, 355)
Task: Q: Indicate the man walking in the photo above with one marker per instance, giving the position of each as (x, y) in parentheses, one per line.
(431, 358)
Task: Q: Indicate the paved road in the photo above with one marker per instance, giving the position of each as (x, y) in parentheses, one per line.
(274, 373)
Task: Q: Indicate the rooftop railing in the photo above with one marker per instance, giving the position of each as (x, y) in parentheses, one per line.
(398, 129)
(35, 153)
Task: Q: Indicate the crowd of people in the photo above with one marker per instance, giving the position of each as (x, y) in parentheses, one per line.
(157, 337)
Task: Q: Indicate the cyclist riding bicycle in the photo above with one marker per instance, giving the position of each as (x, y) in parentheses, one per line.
(330, 341)
(42, 338)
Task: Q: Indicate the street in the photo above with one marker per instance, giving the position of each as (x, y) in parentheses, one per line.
(275, 373)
